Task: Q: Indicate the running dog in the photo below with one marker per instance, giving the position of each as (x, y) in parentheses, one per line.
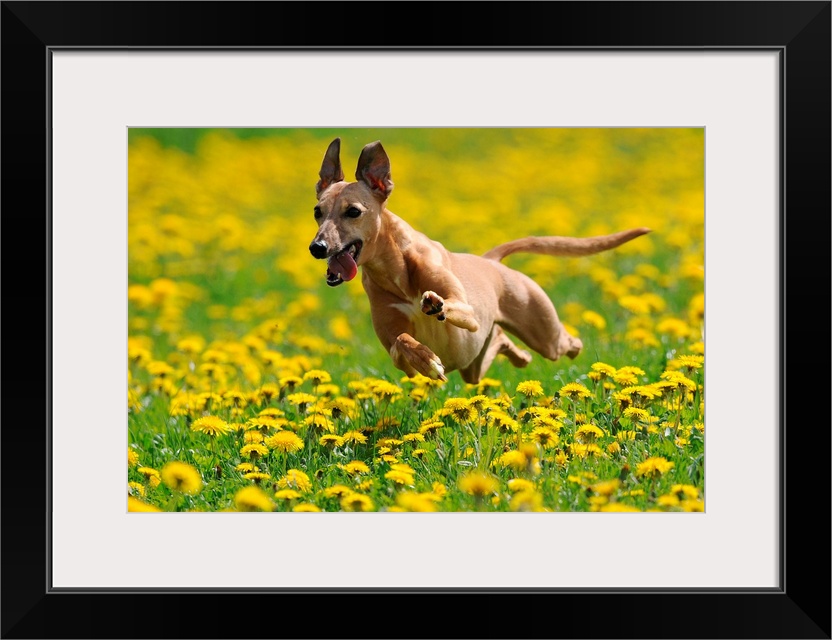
(436, 311)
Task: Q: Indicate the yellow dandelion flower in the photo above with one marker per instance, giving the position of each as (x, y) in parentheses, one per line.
(526, 501)
(159, 368)
(389, 442)
(412, 501)
(685, 490)
(317, 376)
(488, 383)
(545, 436)
(460, 410)
(602, 368)
(503, 422)
(320, 423)
(614, 448)
(547, 422)
(306, 507)
(477, 483)
(625, 378)
(637, 371)
(638, 393)
(385, 390)
(637, 415)
(341, 406)
(287, 494)
(234, 398)
(355, 467)
(674, 327)
(357, 502)
(213, 370)
(256, 476)
(190, 345)
(301, 400)
(331, 441)
(132, 457)
(252, 498)
(136, 487)
(327, 390)
(667, 501)
(654, 467)
(245, 467)
(418, 394)
(181, 477)
(642, 337)
(530, 388)
(588, 433)
(264, 422)
(614, 507)
(689, 362)
(530, 449)
(271, 358)
(514, 459)
(337, 491)
(676, 380)
(479, 402)
(211, 426)
(692, 505)
(365, 485)
(148, 472)
(267, 392)
(574, 391)
(254, 451)
(582, 451)
(289, 382)
(594, 319)
(413, 437)
(295, 479)
(134, 505)
(400, 477)
(520, 484)
(355, 437)
(606, 488)
(635, 304)
(430, 426)
(253, 437)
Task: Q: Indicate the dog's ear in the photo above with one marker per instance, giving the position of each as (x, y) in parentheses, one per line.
(331, 171)
(374, 169)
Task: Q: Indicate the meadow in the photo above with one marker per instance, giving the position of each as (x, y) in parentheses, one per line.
(253, 386)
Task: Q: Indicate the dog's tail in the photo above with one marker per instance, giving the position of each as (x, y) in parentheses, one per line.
(564, 245)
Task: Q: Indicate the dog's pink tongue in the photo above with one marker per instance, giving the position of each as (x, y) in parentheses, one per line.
(343, 265)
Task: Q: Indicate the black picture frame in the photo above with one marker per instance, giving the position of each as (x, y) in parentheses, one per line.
(799, 608)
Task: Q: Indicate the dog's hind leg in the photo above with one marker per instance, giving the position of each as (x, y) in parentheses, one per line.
(528, 313)
(499, 343)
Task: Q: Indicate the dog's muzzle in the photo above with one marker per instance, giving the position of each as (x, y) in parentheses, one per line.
(341, 266)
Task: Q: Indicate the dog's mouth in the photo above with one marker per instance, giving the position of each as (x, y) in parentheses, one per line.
(342, 266)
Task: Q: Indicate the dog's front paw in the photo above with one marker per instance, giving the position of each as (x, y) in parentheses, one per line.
(432, 305)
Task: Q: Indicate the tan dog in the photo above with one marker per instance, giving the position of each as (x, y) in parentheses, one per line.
(433, 310)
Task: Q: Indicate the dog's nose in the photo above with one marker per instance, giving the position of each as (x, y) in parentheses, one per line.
(318, 249)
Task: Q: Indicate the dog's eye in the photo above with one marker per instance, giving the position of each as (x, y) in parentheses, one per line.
(353, 212)
(318, 212)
